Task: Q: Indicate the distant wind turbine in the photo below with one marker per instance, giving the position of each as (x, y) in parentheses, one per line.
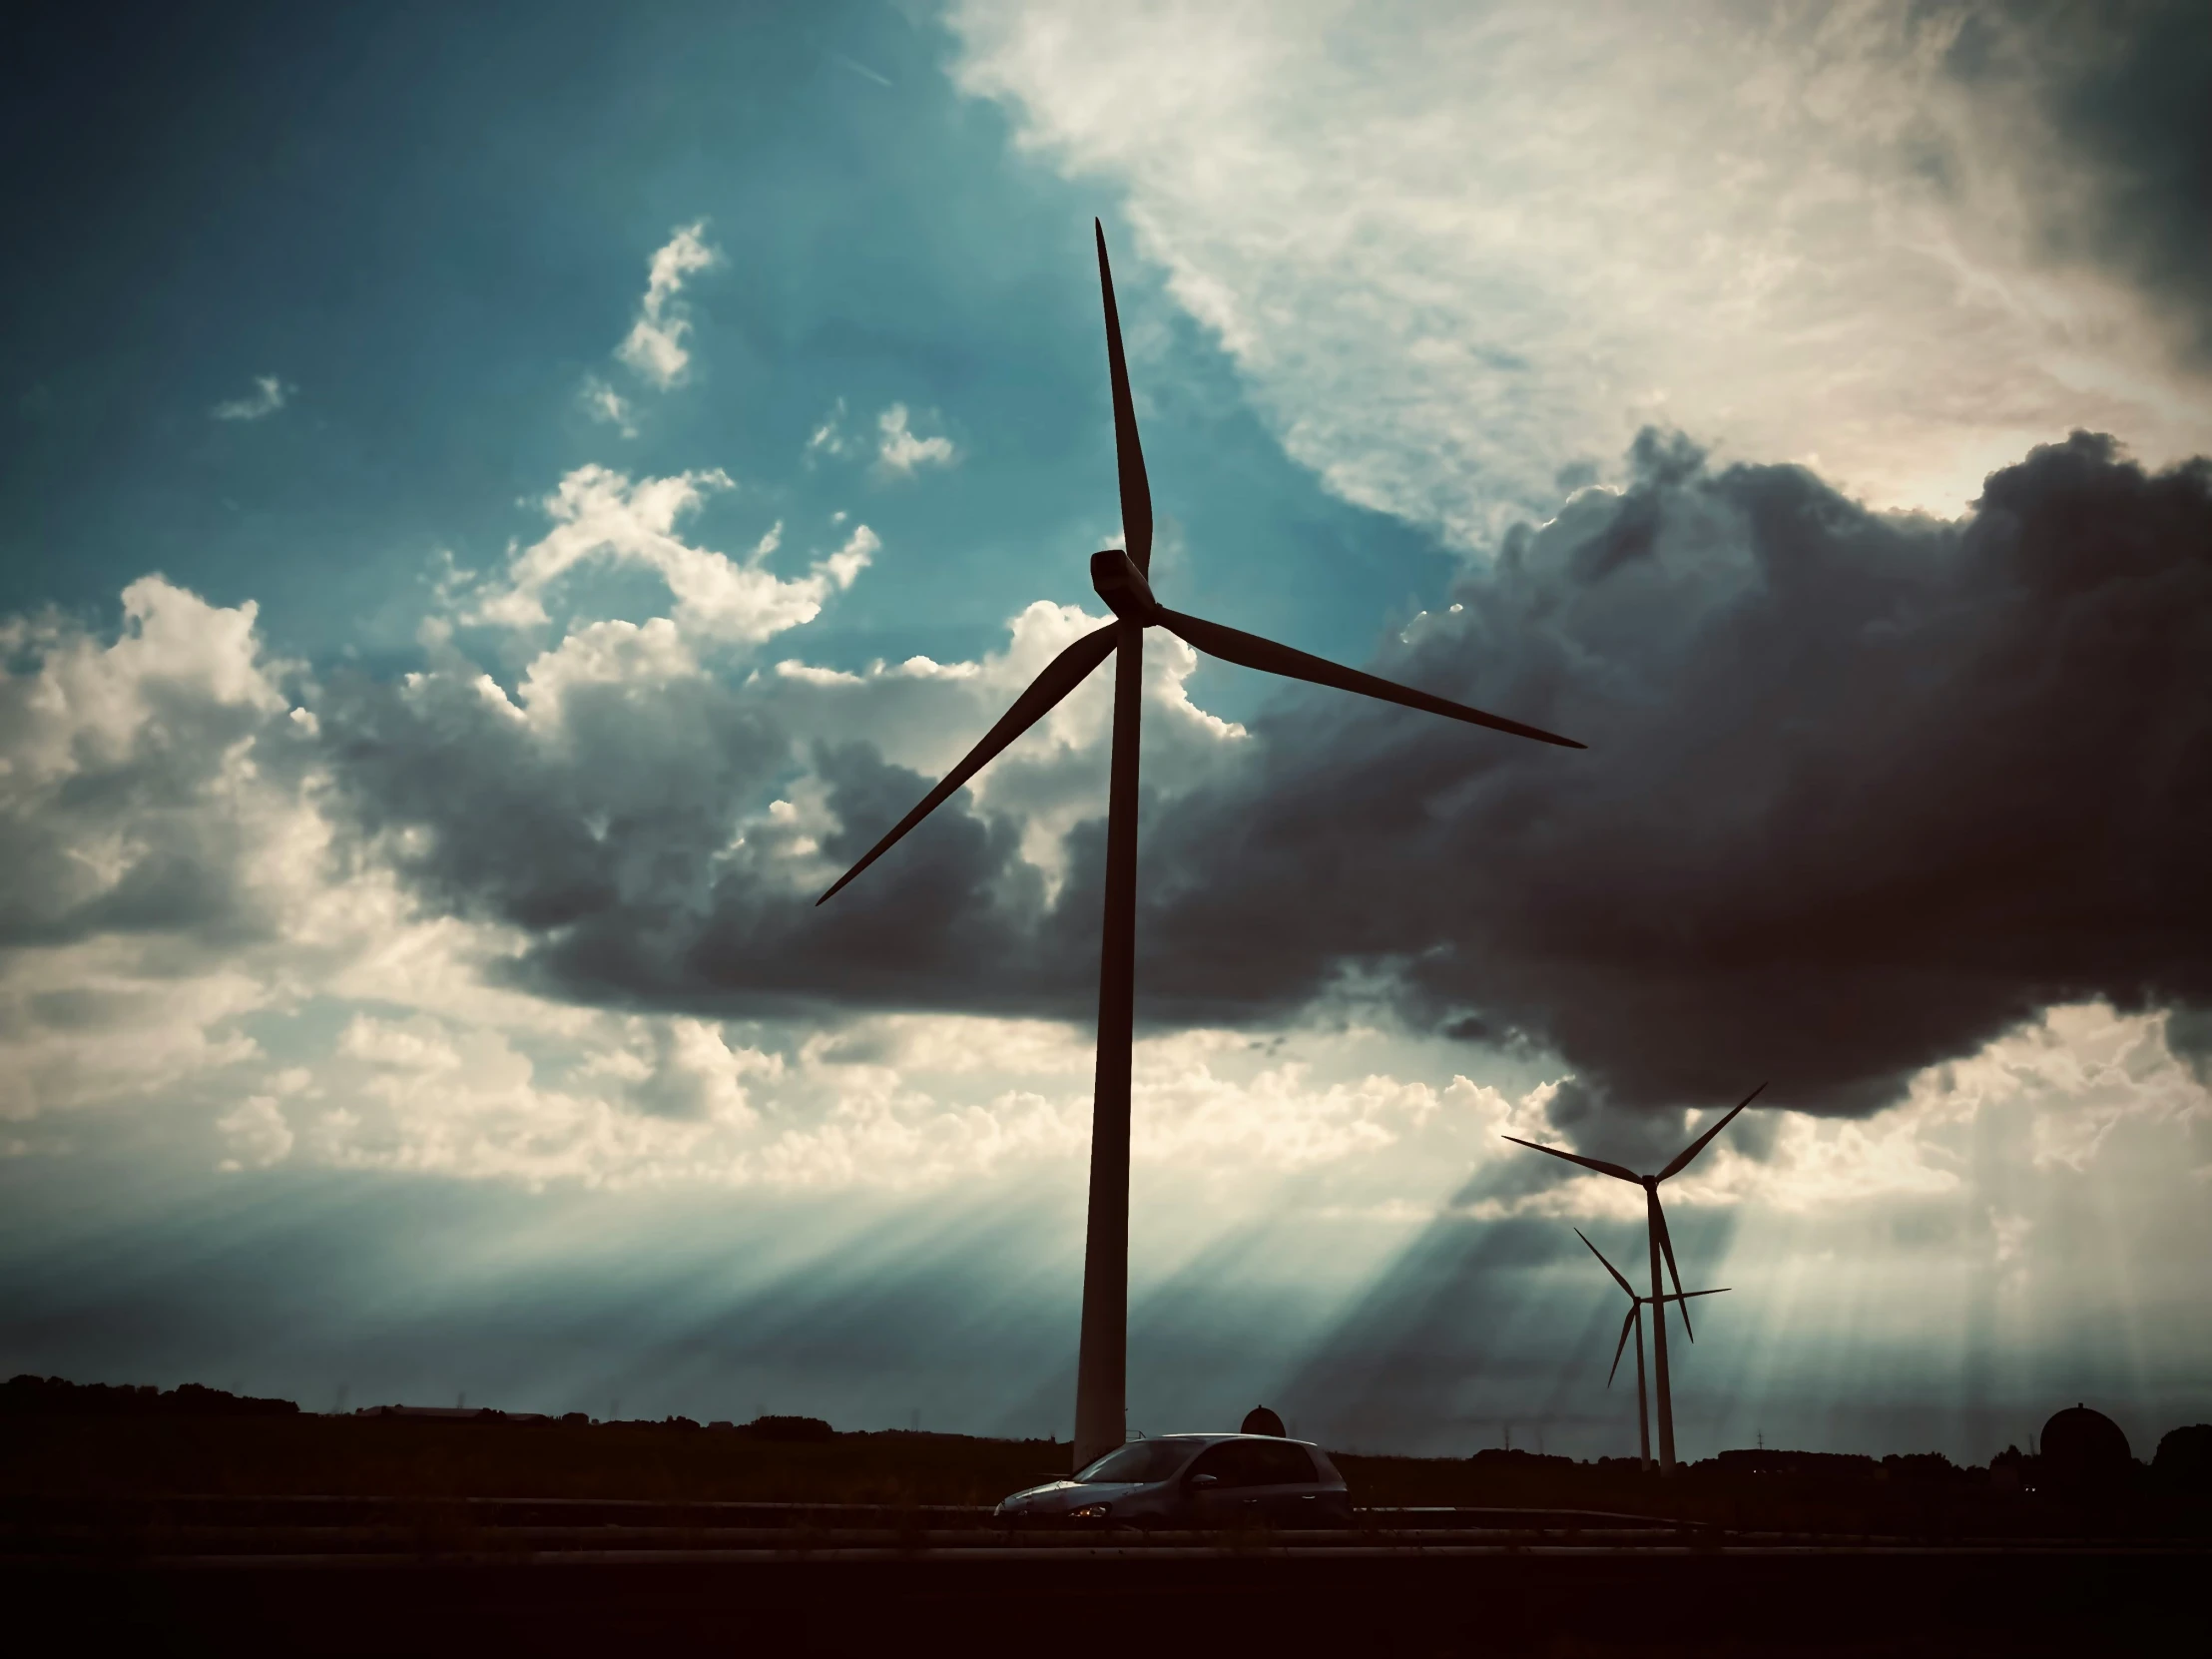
(1121, 578)
(1635, 1321)
(1655, 1220)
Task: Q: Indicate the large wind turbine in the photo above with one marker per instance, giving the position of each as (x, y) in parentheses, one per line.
(1635, 1321)
(1121, 579)
(1655, 1220)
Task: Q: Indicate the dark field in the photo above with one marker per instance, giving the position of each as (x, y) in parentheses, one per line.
(405, 1458)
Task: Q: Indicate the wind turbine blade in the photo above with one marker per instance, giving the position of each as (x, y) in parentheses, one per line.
(1609, 1268)
(1684, 1296)
(1628, 1325)
(1061, 675)
(1250, 651)
(1599, 1164)
(1666, 1246)
(1136, 490)
(1681, 1158)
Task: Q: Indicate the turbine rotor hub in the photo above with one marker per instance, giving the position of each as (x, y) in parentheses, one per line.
(1123, 586)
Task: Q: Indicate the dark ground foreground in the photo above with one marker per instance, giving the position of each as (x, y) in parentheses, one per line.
(286, 1533)
(1554, 1602)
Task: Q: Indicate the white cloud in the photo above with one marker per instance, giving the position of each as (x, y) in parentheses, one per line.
(268, 396)
(1978, 1132)
(845, 565)
(106, 1022)
(607, 406)
(173, 877)
(901, 452)
(1493, 241)
(655, 344)
(154, 840)
(258, 1133)
(599, 513)
(887, 1103)
(829, 437)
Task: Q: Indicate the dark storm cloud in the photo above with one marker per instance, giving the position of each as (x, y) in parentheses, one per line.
(602, 831)
(959, 923)
(2189, 1035)
(616, 803)
(1862, 791)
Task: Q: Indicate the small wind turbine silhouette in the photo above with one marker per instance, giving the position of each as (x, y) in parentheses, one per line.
(1655, 1220)
(1121, 578)
(1635, 1321)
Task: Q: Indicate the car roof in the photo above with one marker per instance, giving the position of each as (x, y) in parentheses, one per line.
(1215, 1439)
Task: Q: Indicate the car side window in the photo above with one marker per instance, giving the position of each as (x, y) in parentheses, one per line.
(1255, 1463)
(1220, 1461)
(1281, 1465)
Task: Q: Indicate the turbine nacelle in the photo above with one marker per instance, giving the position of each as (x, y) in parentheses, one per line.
(1118, 581)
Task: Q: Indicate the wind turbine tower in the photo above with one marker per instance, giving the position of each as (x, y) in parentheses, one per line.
(1635, 1321)
(1655, 1222)
(1121, 577)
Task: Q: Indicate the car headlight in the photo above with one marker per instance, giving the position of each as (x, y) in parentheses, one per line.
(1091, 1511)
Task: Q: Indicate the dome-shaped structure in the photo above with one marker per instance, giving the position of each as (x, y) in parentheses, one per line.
(2083, 1451)
(1261, 1421)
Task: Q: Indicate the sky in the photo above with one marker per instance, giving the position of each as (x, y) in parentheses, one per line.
(503, 504)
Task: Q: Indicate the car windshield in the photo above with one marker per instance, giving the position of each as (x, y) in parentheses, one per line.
(1137, 1463)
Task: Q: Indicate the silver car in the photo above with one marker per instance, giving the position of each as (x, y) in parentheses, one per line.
(1193, 1481)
